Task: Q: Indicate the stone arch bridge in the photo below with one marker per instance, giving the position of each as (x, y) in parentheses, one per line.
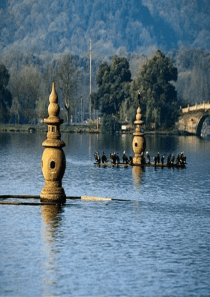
(192, 118)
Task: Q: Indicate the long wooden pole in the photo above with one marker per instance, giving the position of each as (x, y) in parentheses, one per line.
(87, 198)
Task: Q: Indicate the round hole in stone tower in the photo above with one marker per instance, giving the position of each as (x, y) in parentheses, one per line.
(136, 144)
(52, 164)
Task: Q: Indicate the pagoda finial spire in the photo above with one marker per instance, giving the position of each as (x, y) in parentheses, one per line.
(53, 109)
(53, 96)
(138, 121)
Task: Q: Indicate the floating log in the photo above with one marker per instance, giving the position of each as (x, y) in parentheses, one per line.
(26, 203)
(95, 198)
(31, 197)
(20, 196)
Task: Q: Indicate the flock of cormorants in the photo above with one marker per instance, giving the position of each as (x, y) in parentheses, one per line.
(180, 160)
(114, 158)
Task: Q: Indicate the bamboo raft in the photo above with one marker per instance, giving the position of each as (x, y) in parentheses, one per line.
(109, 164)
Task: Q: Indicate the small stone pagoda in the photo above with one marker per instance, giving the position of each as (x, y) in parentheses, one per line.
(139, 143)
(53, 158)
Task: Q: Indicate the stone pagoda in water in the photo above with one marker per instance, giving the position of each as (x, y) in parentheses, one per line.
(139, 143)
(53, 158)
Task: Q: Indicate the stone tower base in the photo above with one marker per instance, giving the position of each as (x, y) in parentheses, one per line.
(53, 192)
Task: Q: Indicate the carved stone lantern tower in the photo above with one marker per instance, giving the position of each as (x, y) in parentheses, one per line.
(139, 143)
(53, 158)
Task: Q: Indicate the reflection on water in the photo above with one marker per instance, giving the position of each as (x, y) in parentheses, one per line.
(192, 142)
(164, 144)
(51, 217)
(137, 172)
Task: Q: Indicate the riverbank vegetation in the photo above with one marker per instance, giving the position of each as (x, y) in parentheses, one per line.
(165, 82)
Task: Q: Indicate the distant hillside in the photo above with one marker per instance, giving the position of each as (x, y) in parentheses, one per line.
(36, 34)
(115, 26)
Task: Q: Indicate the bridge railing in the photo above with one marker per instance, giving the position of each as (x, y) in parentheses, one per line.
(201, 106)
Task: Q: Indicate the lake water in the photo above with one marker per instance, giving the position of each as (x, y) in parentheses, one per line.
(156, 242)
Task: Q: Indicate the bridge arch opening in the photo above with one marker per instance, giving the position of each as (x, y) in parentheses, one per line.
(200, 124)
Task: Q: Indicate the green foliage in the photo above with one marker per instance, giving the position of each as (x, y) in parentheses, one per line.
(159, 97)
(193, 84)
(110, 124)
(15, 110)
(4, 77)
(113, 82)
(128, 111)
(129, 106)
(42, 108)
(57, 26)
(25, 87)
(5, 95)
(68, 80)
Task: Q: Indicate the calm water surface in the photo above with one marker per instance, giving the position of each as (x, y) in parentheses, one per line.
(154, 243)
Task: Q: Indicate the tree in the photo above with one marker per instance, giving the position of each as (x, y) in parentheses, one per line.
(5, 95)
(68, 79)
(113, 82)
(154, 81)
(15, 110)
(109, 124)
(25, 87)
(193, 83)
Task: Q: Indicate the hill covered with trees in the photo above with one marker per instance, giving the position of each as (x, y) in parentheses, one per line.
(38, 37)
(139, 26)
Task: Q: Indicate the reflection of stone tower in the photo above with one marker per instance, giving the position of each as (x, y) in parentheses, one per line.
(139, 143)
(53, 158)
(52, 220)
(137, 175)
(50, 216)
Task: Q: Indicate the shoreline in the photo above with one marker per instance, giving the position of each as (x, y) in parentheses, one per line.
(26, 128)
